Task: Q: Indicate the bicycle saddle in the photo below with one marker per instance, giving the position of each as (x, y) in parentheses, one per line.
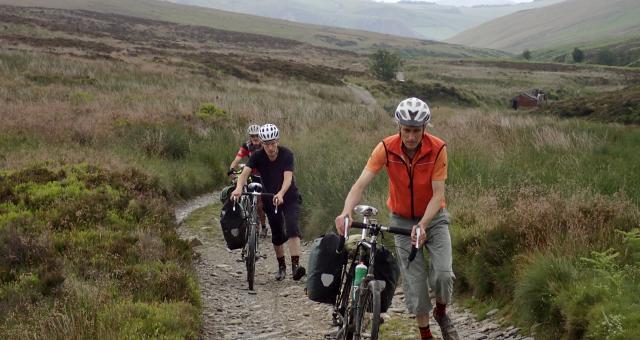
(365, 210)
(254, 187)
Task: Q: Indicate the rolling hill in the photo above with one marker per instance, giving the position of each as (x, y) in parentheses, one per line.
(567, 23)
(322, 36)
(419, 19)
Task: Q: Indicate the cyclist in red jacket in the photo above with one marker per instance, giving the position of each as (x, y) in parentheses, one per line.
(416, 164)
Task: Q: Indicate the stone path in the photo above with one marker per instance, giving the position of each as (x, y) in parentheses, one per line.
(280, 310)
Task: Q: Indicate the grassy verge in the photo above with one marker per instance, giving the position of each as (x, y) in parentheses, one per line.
(92, 253)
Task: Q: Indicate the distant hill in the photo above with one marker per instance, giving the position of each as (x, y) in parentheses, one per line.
(417, 19)
(323, 36)
(562, 24)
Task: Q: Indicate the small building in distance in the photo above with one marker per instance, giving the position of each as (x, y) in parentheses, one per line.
(533, 98)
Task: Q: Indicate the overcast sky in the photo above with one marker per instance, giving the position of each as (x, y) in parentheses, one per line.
(468, 2)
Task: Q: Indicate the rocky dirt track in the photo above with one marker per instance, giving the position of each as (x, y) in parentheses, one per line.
(280, 310)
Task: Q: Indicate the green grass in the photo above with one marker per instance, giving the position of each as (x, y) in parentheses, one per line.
(520, 184)
(91, 253)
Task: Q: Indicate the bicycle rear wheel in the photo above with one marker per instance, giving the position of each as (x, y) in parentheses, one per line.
(368, 313)
(252, 247)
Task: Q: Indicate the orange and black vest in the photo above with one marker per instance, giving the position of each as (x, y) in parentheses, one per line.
(410, 180)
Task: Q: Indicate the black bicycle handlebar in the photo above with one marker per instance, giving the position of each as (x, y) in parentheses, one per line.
(360, 225)
(247, 193)
(393, 230)
(414, 249)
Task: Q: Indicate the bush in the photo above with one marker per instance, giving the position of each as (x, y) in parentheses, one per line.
(605, 57)
(491, 270)
(208, 110)
(578, 55)
(526, 54)
(89, 228)
(384, 64)
(536, 293)
(167, 141)
(80, 98)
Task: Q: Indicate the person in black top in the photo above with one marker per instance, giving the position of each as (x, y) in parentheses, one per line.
(275, 164)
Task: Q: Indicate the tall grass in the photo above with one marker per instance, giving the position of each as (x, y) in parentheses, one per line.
(519, 185)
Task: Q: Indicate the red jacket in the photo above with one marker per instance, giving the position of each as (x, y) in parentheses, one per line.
(410, 181)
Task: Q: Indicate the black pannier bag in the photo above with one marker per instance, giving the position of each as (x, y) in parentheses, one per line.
(386, 269)
(324, 270)
(233, 225)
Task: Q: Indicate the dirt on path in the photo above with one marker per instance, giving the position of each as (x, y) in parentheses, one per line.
(281, 310)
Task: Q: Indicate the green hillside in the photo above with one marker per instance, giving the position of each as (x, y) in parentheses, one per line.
(567, 23)
(413, 19)
(352, 40)
(614, 52)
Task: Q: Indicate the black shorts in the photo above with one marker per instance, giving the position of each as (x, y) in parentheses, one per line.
(288, 217)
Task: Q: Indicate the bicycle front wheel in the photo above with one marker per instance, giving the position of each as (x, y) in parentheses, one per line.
(368, 313)
(252, 247)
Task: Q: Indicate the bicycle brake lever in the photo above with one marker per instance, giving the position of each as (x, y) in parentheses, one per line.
(414, 250)
(346, 233)
(346, 228)
(276, 210)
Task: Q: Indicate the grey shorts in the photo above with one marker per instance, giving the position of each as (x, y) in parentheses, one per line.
(416, 278)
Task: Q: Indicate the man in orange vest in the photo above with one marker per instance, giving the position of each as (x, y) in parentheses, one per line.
(416, 163)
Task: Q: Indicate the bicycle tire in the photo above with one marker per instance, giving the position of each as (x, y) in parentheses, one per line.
(251, 255)
(368, 313)
(345, 308)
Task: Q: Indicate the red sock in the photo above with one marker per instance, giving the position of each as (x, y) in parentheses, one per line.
(425, 333)
(441, 309)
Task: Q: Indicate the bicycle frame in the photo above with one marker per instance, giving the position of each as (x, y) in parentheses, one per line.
(348, 309)
(347, 304)
(249, 202)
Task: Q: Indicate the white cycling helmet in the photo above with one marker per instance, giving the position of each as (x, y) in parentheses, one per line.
(253, 129)
(269, 132)
(413, 112)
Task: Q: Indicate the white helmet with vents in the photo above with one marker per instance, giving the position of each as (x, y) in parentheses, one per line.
(413, 112)
(269, 132)
(253, 129)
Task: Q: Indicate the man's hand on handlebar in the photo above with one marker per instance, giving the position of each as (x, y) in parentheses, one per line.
(235, 194)
(423, 235)
(278, 199)
(340, 222)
